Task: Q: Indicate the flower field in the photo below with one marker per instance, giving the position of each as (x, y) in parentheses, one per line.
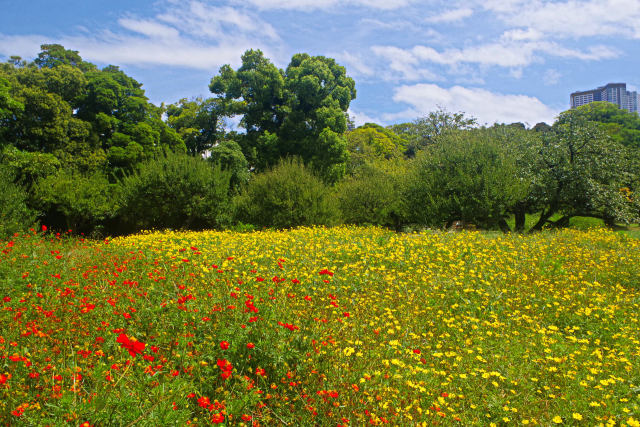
(341, 326)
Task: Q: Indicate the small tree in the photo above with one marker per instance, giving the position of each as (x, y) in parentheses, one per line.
(468, 176)
(584, 173)
(289, 195)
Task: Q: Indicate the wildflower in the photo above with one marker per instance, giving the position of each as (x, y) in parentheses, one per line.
(134, 347)
(224, 345)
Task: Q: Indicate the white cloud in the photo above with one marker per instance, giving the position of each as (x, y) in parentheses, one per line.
(308, 5)
(551, 77)
(453, 15)
(403, 64)
(488, 107)
(571, 18)
(359, 118)
(354, 63)
(504, 53)
(191, 34)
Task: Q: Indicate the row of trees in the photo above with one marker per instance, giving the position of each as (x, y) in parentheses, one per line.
(82, 148)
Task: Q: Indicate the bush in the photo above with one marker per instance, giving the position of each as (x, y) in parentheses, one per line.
(289, 195)
(15, 216)
(373, 195)
(77, 202)
(176, 191)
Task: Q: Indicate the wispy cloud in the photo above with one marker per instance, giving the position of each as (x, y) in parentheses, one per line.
(192, 34)
(503, 53)
(570, 18)
(488, 107)
(453, 15)
(309, 5)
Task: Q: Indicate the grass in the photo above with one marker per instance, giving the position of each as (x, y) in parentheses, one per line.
(341, 326)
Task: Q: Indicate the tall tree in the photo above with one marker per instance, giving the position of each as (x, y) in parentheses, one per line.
(295, 112)
(198, 122)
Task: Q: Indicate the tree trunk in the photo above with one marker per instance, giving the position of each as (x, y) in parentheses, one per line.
(504, 227)
(520, 219)
(544, 217)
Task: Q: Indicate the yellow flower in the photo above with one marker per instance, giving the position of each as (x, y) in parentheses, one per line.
(633, 422)
(557, 419)
(576, 416)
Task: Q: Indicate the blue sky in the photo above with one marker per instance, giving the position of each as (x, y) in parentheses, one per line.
(496, 60)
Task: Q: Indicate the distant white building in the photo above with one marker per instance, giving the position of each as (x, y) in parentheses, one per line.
(616, 93)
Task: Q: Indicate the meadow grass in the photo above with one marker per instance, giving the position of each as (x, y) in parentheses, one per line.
(315, 326)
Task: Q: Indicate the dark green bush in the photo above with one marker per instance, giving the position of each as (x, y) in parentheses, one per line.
(15, 216)
(176, 191)
(82, 203)
(289, 195)
(373, 195)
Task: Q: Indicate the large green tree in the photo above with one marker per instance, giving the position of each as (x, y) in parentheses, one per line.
(426, 130)
(371, 143)
(198, 122)
(584, 172)
(90, 119)
(623, 126)
(294, 112)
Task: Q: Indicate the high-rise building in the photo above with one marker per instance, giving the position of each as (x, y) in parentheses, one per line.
(616, 93)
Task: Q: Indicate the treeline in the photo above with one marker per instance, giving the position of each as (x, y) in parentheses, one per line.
(83, 149)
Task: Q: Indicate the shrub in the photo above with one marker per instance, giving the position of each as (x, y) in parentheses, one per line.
(373, 195)
(176, 191)
(14, 213)
(75, 201)
(288, 195)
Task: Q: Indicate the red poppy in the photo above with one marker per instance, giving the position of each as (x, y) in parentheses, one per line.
(224, 345)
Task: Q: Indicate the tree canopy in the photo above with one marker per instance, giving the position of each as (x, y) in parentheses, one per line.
(294, 112)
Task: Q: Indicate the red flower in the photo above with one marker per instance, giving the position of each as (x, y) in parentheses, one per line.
(204, 402)
(250, 345)
(134, 347)
(224, 345)
(218, 418)
(325, 271)
(44, 228)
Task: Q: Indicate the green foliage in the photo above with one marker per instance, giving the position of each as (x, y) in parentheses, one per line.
(621, 125)
(15, 216)
(374, 195)
(467, 176)
(426, 130)
(289, 195)
(197, 122)
(176, 191)
(371, 143)
(67, 107)
(584, 173)
(228, 155)
(78, 202)
(296, 112)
